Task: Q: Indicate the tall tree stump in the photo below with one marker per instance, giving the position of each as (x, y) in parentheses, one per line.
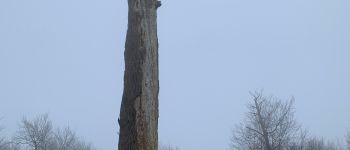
(139, 108)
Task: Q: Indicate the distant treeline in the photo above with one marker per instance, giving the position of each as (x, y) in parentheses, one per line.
(269, 125)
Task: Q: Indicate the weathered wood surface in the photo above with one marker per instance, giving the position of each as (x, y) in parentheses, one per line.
(139, 108)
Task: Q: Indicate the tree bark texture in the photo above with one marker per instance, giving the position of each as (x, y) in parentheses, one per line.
(139, 107)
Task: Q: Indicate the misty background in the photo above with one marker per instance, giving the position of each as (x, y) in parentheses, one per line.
(65, 58)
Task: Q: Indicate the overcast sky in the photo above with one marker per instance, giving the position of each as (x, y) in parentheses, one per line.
(65, 58)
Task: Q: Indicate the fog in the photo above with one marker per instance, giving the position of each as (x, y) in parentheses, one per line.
(65, 58)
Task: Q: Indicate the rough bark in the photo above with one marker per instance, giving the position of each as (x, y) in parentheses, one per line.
(139, 109)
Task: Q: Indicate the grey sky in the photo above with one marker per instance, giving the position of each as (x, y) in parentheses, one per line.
(66, 58)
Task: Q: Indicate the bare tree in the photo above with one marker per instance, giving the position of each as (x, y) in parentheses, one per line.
(64, 139)
(81, 145)
(348, 140)
(166, 147)
(36, 133)
(316, 143)
(4, 145)
(299, 143)
(139, 108)
(269, 125)
(10, 146)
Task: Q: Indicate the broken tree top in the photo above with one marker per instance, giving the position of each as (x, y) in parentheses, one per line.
(159, 3)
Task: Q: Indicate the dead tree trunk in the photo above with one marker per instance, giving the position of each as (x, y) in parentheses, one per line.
(139, 109)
